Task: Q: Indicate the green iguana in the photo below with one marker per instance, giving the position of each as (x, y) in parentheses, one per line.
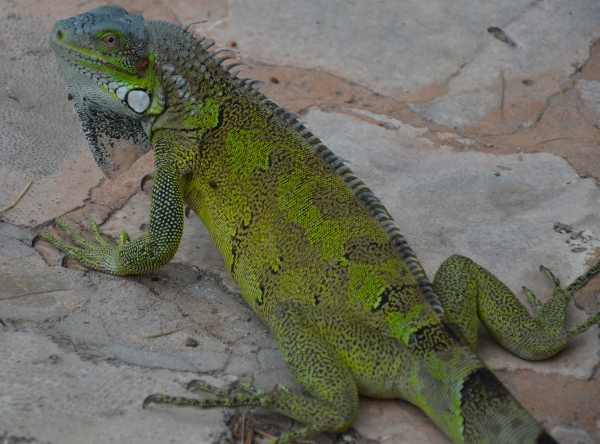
(314, 252)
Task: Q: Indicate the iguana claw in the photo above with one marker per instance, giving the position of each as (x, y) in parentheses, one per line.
(190, 385)
(35, 240)
(65, 260)
(146, 178)
(149, 400)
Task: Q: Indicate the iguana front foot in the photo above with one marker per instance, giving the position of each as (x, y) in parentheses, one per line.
(97, 255)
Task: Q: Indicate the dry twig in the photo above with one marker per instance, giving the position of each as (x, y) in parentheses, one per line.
(18, 198)
(502, 96)
(551, 140)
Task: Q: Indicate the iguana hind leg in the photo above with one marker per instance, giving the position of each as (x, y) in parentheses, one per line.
(331, 403)
(468, 291)
(332, 358)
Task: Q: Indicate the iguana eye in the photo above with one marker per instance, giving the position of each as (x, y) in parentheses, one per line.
(110, 40)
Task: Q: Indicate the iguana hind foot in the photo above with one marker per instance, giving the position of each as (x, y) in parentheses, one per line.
(546, 312)
(245, 395)
(468, 291)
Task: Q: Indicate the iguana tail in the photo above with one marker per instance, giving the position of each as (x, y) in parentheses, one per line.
(463, 397)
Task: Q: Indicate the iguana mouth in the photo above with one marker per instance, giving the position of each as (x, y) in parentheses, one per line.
(93, 59)
(135, 96)
(111, 66)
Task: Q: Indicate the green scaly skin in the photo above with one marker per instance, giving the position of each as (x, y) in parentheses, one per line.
(314, 252)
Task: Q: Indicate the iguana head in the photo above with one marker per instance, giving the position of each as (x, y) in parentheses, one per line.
(105, 58)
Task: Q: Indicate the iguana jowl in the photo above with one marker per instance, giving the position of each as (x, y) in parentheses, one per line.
(314, 252)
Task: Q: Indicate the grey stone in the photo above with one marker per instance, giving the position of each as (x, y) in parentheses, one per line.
(55, 397)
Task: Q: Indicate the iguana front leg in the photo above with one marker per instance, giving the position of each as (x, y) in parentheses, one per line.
(146, 253)
(468, 291)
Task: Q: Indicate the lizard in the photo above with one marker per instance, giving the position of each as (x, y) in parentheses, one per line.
(314, 252)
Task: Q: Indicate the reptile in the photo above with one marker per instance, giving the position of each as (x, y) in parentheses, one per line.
(314, 252)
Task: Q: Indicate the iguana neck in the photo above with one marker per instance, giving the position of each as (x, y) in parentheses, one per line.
(192, 82)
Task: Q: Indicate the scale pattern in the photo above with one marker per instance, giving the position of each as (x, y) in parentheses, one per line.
(315, 253)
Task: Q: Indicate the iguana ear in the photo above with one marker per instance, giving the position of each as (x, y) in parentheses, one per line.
(116, 140)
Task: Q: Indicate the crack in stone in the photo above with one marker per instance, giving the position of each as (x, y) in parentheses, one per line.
(94, 188)
(18, 258)
(576, 71)
(32, 294)
(531, 6)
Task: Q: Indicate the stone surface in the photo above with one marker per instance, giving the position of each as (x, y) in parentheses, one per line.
(58, 397)
(453, 73)
(475, 146)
